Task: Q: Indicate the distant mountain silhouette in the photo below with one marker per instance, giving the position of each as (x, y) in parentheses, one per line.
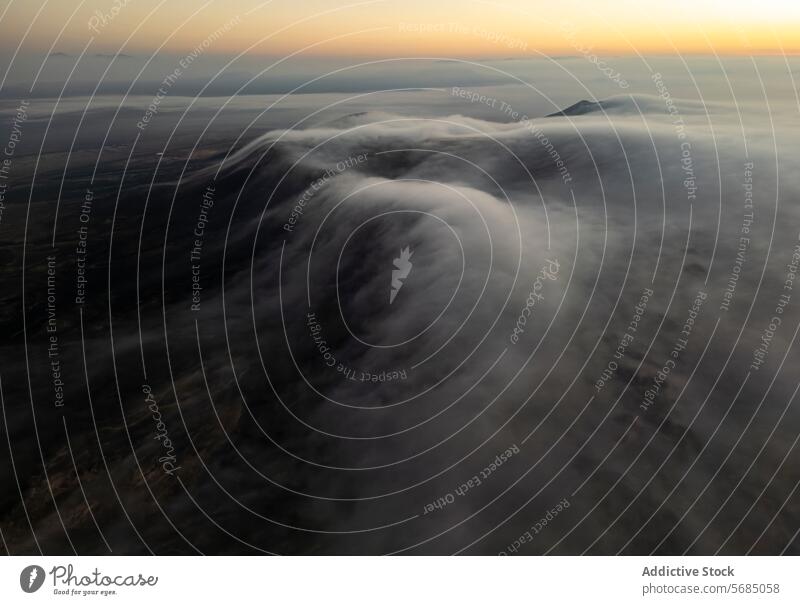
(582, 107)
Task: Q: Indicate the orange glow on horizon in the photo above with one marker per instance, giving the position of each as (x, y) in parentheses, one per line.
(449, 28)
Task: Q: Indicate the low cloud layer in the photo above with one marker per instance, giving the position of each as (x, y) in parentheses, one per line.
(568, 300)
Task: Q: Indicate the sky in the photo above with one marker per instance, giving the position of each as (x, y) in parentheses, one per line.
(380, 28)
